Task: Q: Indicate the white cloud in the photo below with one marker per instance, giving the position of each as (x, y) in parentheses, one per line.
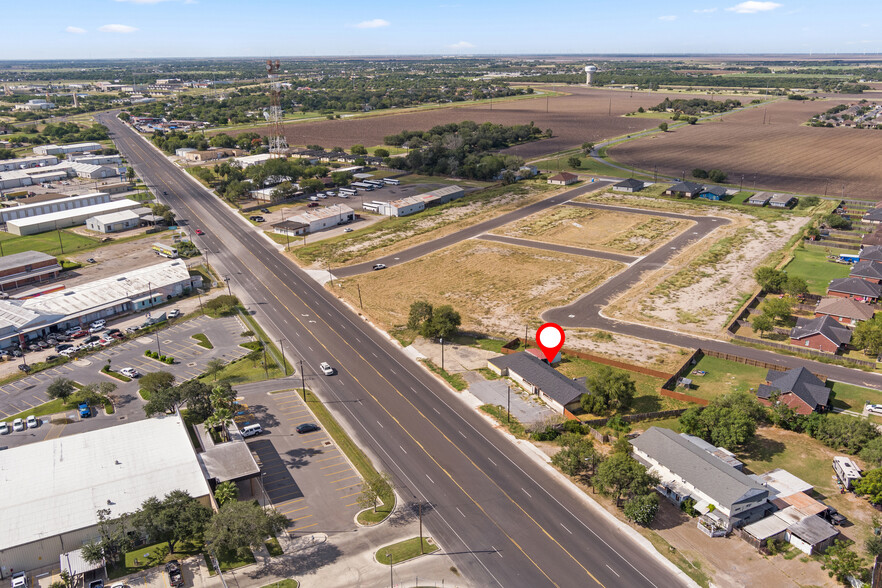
(704, 10)
(668, 18)
(373, 24)
(753, 6)
(117, 28)
(75, 30)
(461, 45)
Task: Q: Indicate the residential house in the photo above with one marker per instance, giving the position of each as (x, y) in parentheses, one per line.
(629, 185)
(871, 252)
(685, 189)
(855, 288)
(759, 199)
(821, 333)
(783, 483)
(873, 216)
(563, 179)
(797, 388)
(713, 193)
(845, 310)
(811, 535)
(867, 269)
(782, 201)
(537, 377)
(726, 497)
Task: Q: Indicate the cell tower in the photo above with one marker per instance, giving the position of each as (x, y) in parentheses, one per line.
(277, 142)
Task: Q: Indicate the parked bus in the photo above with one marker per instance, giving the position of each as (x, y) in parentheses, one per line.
(363, 186)
(391, 181)
(377, 183)
(350, 191)
(165, 250)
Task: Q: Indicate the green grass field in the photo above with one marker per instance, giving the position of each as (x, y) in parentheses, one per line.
(814, 267)
(724, 376)
(46, 242)
(852, 397)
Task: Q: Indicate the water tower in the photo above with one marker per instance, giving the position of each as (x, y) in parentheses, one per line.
(590, 70)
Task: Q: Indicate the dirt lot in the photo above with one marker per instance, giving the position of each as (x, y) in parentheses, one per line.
(651, 354)
(596, 229)
(587, 114)
(497, 288)
(700, 287)
(782, 154)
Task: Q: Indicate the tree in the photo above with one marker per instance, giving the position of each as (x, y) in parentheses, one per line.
(870, 486)
(175, 518)
(872, 452)
(92, 552)
(130, 173)
(729, 421)
(663, 127)
(380, 152)
(779, 308)
(716, 175)
(762, 324)
(214, 367)
(609, 389)
(372, 489)
(155, 381)
(445, 323)
(835, 221)
(198, 397)
(642, 509)
(163, 400)
(841, 562)
(420, 312)
(574, 162)
(240, 526)
(61, 388)
(226, 492)
(699, 173)
(795, 286)
(621, 474)
(576, 458)
(587, 147)
(770, 279)
(358, 150)
(868, 336)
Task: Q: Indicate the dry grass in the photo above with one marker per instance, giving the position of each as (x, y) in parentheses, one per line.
(651, 354)
(497, 288)
(596, 229)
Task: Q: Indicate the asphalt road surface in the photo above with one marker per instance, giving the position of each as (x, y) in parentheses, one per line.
(504, 521)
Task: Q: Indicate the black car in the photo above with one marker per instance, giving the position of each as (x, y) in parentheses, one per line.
(264, 210)
(307, 428)
(173, 569)
(91, 339)
(24, 367)
(62, 347)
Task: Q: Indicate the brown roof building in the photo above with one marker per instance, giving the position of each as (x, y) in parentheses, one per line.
(845, 310)
(563, 179)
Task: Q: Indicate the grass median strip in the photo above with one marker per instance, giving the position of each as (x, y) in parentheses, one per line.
(404, 550)
(203, 341)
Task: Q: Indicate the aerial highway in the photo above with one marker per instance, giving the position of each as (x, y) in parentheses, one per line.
(503, 519)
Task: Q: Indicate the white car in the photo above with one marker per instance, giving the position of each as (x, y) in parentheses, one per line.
(174, 313)
(874, 408)
(99, 324)
(129, 372)
(32, 422)
(93, 330)
(314, 198)
(18, 425)
(4, 428)
(326, 368)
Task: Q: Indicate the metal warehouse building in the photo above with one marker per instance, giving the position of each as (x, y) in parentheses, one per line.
(57, 205)
(66, 218)
(53, 489)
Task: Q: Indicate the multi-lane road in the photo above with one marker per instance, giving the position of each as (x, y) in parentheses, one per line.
(500, 515)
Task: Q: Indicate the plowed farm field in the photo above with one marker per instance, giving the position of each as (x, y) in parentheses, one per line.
(781, 154)
(588, 114)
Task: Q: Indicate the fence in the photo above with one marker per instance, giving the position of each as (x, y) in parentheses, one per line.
(643, 416)
(800, 350)
(684, 397)
(828, 245)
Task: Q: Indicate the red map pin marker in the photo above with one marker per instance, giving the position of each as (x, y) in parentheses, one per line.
(550, 338)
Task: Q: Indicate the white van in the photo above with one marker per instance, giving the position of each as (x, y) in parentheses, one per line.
(251, 430)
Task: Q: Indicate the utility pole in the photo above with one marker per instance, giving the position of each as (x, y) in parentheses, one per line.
(302, 381)
(284, 361)
(526, 330)
(265, 368)
(421, 528)
(360, 305)
(442, 354)
(508, 404)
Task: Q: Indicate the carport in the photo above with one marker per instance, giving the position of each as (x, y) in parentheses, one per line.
(75, 564)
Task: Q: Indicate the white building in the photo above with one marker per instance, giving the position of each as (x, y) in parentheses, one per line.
(35, 104)
(53, 489)
(27, 162)
(323, 218)
(75, 306)
(248, 160)
(114, 222)
(96, 159)
(40, 208)
(66, 218)
(69, 148)
(401, 207)
(66, 169)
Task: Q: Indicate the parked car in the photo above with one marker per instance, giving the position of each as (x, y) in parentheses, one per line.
(105, 341)
(24, 367)
(96, 584)
(259, 219)
(874, 408)
(313, 198)
(326, 368)
(51, 357)
(92, 339)
(264, 210)
(379, 266)
(93, 330)
(85, 410)
(174, 313)
(307, 428)
(79, 334)
(99, 324)
(61, 337)
(117, 335)
(347, 230)
(312, 205)
(18, 425)
(91, 260)
(4, 428)
(19, 580)
(173, 569)
(32, 422)
(130, 372)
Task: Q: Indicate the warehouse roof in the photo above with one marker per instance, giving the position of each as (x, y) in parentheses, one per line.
(56, 486)
(117, 217)
(17, 260)
(88, 211)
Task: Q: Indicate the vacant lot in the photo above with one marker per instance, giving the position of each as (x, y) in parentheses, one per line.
(850, 397)
(596, 229)
(497, 288)
(813, 266)
(723, 376)
(587, 114)
(781, 154)
(633, 350)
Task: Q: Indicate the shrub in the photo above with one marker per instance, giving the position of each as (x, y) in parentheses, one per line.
(169, 360)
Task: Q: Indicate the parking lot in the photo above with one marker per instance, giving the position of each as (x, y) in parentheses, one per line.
(190, 361)
(306, 477)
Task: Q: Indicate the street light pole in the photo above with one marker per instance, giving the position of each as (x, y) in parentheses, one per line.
(442, 354)
(227, 280)
(284, 361)
(508, 403)
(302, 381)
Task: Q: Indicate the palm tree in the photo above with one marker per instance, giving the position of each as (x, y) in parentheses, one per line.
(226, 492)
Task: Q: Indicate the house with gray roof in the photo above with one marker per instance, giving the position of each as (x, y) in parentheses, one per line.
(845, 310)
(685, 189)
(822, 333)
(537, 377)
(782, 201)
(726, 497)
(874, 216)
(713, 193)
(871, 252)
(759, 199)
(854, 288)
(629, 185)
(867, 269)
(798, 388)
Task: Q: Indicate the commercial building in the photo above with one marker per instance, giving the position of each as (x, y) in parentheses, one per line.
(60, 171)
(35, 104)
(66, 218)
(290, 228)
(53, 489)
(114, 222)
(248, 160)
(27, 162)
(96, 159)
(69, 148)
(412, 204)
(323, 218)
(134, 290)
(55, 205)
(27, 267)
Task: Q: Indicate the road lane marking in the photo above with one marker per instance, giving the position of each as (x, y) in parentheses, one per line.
(613, 571)
(565, 529)
(381, 424)
(460, 512)
(430, 479)
(462, 434)
(402, 449)
(525, 492)
(491, 461)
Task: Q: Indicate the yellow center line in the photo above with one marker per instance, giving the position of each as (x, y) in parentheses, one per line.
(330, 327)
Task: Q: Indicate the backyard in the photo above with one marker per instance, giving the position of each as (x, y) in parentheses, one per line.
(813, 266)
(722, 376)
(850, 397)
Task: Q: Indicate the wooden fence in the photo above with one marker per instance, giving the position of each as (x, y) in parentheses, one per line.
(643, 416)
(828, 245)
(514, 346)
(800, 350)
(684, 397)
(753, 362)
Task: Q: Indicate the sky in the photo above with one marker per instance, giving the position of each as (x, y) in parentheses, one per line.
(101, 29)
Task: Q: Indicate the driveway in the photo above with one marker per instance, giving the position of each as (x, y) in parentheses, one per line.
(524, 406)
